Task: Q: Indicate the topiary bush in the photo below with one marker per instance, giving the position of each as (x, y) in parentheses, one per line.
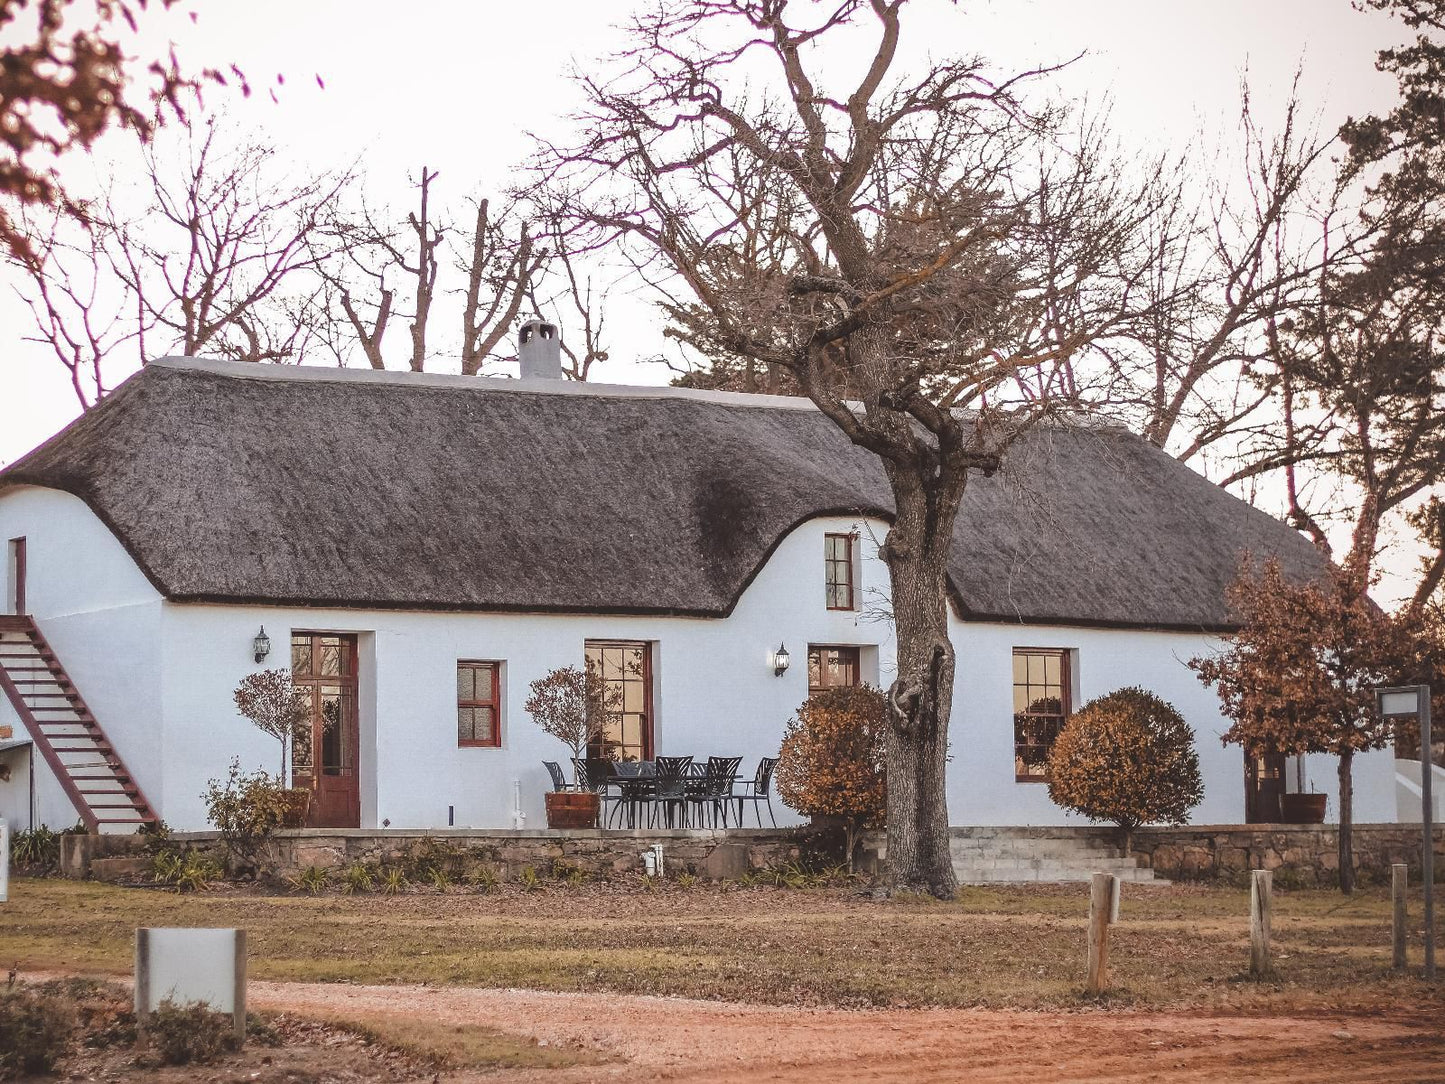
(1129, 758)
(832, 760)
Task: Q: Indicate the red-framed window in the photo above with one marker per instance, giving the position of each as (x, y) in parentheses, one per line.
(1041, 706)
(831, 667)
(838, 571)
(479, 703)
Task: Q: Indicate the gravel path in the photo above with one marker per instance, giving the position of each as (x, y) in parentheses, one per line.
(649, 1038)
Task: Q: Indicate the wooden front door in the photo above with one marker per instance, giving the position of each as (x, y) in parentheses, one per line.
(1263, 785)
(327, 758)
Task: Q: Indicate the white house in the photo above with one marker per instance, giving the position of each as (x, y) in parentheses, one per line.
(420, 547)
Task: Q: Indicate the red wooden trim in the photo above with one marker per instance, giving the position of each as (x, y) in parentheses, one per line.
(829, 564)
(853, 650)
(495, 703)
(17, 554)
(1066, 707)
(648, 744)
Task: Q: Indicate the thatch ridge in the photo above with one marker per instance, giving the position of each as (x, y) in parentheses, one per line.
(271, 485)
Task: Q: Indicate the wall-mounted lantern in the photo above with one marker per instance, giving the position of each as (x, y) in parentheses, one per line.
(781, 661)
(262, 645)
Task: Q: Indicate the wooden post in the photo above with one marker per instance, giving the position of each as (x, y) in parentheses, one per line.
(1261, 881)
(1399, 880)
(1101, 905)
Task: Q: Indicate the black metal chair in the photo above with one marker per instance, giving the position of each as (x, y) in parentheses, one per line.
(559, 778)
(596, 773)
(758, 791)
(715, 788)
(670, 789)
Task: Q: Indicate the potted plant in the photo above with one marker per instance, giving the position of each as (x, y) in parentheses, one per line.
(270, 700)
(570, 704)
(1302, 808)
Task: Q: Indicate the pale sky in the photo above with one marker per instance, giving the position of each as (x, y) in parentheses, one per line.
(458, 86)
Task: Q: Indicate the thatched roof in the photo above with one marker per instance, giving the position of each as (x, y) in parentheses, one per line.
(230, 482)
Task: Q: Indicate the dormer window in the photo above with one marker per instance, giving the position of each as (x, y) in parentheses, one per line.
(838, 571)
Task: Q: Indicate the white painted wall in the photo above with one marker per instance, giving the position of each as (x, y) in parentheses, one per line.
(160, 676)
(102, 617)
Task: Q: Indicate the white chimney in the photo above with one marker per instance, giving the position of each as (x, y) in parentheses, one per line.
(539, 349)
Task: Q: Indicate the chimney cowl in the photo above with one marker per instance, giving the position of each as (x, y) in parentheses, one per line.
(539, 350)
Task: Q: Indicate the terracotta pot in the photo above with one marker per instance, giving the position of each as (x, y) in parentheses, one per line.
(1303, 808)
(298, 806)
(573, 808)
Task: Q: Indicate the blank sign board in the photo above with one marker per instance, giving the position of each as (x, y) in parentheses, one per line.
(188, 966)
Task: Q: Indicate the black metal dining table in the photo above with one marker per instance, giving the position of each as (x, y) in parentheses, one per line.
(639, 796)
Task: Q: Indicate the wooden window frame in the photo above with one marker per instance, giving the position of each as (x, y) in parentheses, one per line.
(857, 653)
(1066, 696)
(831, 563)
(495, 703)
(649, 730)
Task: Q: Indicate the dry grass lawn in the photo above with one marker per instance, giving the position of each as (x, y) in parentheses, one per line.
(1175, 947)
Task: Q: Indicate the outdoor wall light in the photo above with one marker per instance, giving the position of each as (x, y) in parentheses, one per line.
(262, 645)
(781, 661)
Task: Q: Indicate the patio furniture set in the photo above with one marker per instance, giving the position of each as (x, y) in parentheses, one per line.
(671, 792)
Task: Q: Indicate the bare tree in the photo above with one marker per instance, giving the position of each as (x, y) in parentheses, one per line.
(501, 275)
(502, 262)
(76, 313)
(67, 75)
(214, 250)
(907, 271)
(221, 240)
(558, 286)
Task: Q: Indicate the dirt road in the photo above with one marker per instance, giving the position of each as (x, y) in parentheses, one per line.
(648, 1038)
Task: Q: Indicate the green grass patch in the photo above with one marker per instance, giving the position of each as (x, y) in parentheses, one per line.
(1180, 946)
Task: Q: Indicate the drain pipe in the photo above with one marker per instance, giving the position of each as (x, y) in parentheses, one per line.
(519, 819)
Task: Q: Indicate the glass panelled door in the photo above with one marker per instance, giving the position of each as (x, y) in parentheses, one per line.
(327, 757)
(626, 669)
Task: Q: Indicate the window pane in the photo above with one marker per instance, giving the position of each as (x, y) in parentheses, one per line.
(1051, 669)
(466, 683)
(466, 723)
(301, 656)
(482, 724)
(632, 696)
(330, 659)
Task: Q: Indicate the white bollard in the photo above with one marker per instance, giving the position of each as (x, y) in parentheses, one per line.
(191, 966)
(4, 860)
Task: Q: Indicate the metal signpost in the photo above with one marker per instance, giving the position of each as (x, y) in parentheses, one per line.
(1415, 700)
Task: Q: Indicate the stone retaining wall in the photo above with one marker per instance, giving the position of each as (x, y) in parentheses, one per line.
(705, 853)
(1307, 853)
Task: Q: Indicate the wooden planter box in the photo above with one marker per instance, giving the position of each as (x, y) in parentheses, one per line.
(573, 808)
(1303, 808)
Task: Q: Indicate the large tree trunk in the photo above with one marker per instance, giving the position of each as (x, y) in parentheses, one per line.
(921, 698)
(1347, 797)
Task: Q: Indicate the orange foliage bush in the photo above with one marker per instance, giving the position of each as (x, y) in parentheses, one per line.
(833, 756)
(1129, 758)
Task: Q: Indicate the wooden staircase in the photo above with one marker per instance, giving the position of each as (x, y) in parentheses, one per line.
(89, 769)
